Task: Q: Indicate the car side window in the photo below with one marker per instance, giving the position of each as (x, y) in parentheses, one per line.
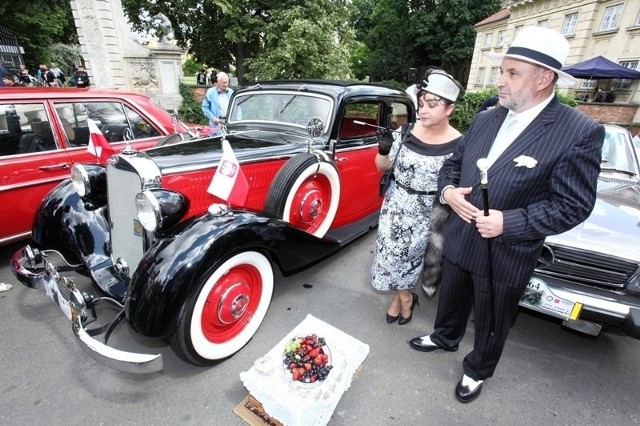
(360, 120)
(116, 121)
(399, 115)
(25, 129)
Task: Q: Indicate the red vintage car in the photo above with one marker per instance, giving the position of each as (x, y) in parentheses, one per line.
(44, 131)
(185, 265)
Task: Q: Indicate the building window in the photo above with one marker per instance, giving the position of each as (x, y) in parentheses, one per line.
(611, 18)
(544, 23)
(569, 24)
(502, 34)
(588, 84)
(488, 37)
(625, 83)
(517, 30)
(480, 76)
(493, 75)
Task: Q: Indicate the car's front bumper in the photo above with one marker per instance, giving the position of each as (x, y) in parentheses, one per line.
(42, 273)
(573, 304)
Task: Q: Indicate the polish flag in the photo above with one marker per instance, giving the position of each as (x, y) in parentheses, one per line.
(229, 183)
(98, 144)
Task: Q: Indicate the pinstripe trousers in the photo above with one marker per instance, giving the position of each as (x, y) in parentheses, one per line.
(460, 292)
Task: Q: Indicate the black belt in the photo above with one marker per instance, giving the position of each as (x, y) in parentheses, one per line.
(413, 191)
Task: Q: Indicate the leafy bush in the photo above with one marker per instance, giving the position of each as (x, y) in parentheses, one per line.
(468, 104)
(190, 110)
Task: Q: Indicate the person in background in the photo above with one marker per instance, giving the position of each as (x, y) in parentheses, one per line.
(600, 96)
(26, 79)
(40, 74)
(216, 100)
(488, 103)
(543, 162)
(59, 77)
(81, 78)
(3, 71)
(416, 157)
(201, 78)
(8, 80)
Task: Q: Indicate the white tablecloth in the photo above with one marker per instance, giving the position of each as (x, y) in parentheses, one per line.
(294, 403)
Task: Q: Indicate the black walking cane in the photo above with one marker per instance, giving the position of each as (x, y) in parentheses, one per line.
(483, 165)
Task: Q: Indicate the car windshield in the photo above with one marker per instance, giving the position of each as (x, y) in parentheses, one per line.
(617, 153)
(293, 108)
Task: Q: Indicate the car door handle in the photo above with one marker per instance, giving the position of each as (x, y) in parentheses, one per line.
(62, 166)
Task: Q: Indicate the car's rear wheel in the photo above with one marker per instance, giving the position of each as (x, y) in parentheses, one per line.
(225, 312)
(305, 192)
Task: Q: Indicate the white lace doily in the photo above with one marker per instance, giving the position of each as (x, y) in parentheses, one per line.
(294, 403)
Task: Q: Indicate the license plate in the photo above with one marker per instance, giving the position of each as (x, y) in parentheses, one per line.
(539, 297)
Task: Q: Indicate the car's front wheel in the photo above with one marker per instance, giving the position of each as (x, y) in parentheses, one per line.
(224, 313)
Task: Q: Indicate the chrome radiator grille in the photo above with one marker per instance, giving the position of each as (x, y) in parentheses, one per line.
(127, 236)
(589, 268)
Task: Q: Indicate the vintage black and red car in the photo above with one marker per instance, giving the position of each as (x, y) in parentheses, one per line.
(187, 266)
(44, 131)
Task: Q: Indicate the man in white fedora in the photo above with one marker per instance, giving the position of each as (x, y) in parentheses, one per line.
(543, 162)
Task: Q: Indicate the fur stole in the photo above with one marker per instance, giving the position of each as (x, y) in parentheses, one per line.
(432, 269)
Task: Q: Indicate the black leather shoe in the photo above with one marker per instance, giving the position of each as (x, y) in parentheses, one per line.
(391, 318)
(468, 389)
(414, 302)
(424, 344)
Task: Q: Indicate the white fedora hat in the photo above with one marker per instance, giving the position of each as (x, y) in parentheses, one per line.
(541, 46)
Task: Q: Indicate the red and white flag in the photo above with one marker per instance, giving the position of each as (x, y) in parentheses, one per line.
(98, 144)
(229, 183)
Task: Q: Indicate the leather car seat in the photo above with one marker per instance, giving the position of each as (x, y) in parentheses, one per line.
(30, 142)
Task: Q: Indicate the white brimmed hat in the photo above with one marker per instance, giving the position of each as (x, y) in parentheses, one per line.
(541, 46)
(441, 84)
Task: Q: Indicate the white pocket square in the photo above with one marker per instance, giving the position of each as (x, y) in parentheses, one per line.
(525, 161)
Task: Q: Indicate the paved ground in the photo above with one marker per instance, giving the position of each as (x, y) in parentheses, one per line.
(546, 376)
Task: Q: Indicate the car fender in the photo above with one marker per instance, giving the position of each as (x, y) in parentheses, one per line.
(80, 231)
(169, 271)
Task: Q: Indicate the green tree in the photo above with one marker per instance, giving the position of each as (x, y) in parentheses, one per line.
(387, 39)
(310, 40)
(442, 32)
(40, 24)
(214, 31)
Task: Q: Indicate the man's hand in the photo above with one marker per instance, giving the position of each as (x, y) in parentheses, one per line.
(489, 226)
(385, 140)
(454, 197)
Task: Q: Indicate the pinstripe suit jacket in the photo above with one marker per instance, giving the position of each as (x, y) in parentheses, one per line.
(552, 197)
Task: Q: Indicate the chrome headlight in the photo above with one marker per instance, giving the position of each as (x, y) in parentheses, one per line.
(148, 211)
(80, 179)
(90, 182)
(160, 209)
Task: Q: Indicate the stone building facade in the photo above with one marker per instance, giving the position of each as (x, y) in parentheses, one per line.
(610, 28)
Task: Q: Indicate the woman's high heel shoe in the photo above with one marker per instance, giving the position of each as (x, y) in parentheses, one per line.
(415, 302)
(391, 318)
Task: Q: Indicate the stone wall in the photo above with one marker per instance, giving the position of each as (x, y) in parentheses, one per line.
(199, 91)
(620, 114)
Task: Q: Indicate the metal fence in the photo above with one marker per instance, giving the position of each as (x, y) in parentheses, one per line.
(10, 50)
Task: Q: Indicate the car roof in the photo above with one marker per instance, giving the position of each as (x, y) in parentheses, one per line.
(329, 87)
(64, 93)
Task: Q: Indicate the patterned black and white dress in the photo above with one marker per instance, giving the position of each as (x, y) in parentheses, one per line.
(403, 227)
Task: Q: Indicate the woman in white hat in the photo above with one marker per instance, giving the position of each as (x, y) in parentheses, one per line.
(416, 155)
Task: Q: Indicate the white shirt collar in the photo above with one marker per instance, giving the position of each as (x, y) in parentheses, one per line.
(526, 117)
